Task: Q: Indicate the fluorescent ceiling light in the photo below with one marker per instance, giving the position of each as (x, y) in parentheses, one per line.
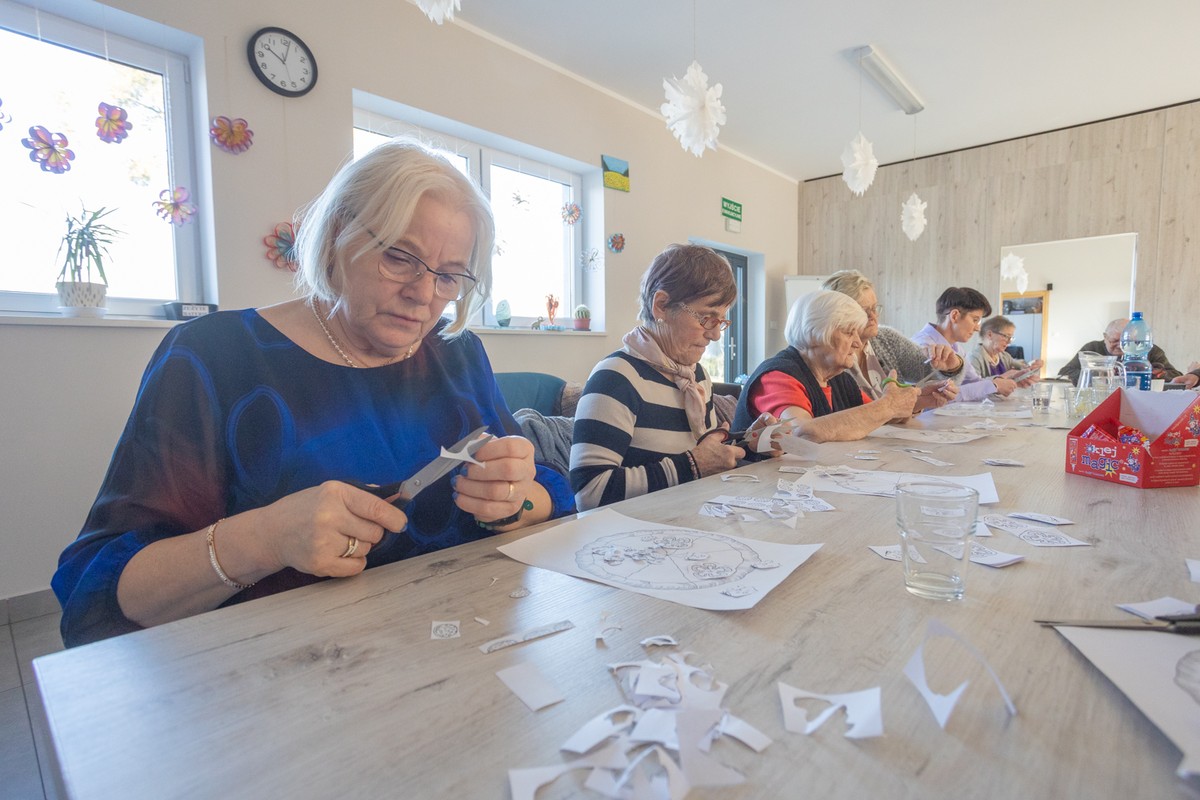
(875, 65)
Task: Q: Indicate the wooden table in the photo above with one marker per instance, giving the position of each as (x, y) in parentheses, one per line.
(337, 690)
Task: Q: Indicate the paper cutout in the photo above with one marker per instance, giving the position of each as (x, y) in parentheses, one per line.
(984, 408)
(692, 727)
(685, 566)
(49, 150)
(693, 111)
(606, 626)
(864, 715)
(281, 247)
(892, 553)
(1162, 607)
(1033, 534)
(113, 124)
(981, 554)
(1193, 565)
(174, 206)
(927, 436)
(231, 135)
(525, 636)
(661, 640)
(462, 455)
(600, 727)
(1049, 519)
(860, 164)
(518, 593)
(912, 217)
(937, 462)
(444, 630)
(942, 705)
(744, 732)
(847, 480)
(1003, 462)
(740, 476)
(532, 687)
(794, 470)
(482, 621)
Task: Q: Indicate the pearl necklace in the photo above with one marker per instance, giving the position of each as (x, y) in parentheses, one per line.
(337, 346)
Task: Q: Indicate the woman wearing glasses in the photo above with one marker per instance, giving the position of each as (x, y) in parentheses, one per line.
(808, 384)
(228, 481)
(886, 350)
(644, 412)
(990, 358)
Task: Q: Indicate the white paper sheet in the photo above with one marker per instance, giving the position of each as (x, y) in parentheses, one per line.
(846, 480)
(529, 684)
(923, 435)
(864, 714)
(985, 408)
(1162, 607)
(691, 567)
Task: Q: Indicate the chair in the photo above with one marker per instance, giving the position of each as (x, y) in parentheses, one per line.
(1016, 351)
(536, 390)
(734, 390)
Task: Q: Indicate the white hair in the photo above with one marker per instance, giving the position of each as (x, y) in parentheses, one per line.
(816, 316)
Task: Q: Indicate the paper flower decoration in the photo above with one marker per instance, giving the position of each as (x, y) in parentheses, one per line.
(440, 10)
(231, 135)
(912, 217)
(693, 111)
(590, 260)
(1012, 268)
(860, 164)
(173, 205)
(113, 124)
(281, 247)
(49, 150)
(571, 213)
(616, 242)
(4, 118)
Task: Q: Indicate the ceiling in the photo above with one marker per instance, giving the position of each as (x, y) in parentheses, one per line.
(985, 71)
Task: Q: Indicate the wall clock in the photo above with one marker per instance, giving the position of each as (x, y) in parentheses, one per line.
(282, 62)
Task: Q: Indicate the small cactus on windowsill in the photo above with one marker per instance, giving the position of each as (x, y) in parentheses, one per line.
(583, 318)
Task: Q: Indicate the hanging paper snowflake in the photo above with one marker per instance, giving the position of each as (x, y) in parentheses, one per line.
(49, 150)
(590, 260)
(173, 205)
(440, 10)
(693, 110)
(281, 247)
(231, 135)
(616, 242)
(860, 164)
(4, 118)
(571, 213)
(912, 217)
(113, 124)
(1012, 268)
(520, 201)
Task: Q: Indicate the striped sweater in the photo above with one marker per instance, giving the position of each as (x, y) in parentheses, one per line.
(631, 432)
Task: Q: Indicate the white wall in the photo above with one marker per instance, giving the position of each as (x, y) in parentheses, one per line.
(59, 377)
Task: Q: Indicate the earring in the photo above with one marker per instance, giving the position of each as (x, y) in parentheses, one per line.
(660, 321)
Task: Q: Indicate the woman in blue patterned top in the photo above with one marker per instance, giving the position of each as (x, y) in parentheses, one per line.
(227, 482)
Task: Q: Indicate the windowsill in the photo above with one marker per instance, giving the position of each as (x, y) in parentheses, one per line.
(107, 321)
(526, 330)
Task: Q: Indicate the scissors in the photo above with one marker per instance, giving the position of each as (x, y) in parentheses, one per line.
(732, 438)
(1187, 624)
(400, 494)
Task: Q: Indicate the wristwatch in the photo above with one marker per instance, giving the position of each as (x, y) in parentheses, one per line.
(526, 505)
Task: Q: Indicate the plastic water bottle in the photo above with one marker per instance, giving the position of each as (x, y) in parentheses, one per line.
(1136, 341)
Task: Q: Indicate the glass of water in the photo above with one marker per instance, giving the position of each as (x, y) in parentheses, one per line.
(936, 522)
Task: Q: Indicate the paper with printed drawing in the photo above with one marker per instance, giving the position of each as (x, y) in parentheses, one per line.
(984, 408)
(923, 435)
(695, 568)
(847, 480)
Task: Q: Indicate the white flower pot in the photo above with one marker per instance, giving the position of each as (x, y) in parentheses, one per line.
(81, 299)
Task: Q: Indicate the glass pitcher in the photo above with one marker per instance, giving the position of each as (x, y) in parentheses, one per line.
(1099, 375)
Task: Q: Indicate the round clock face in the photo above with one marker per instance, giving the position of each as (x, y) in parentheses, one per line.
(282, 62)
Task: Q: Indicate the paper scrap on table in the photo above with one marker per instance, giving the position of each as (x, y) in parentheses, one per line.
(1049, 519)
(892, 552)
(798, 447)
(982, 529)
(482, 621)
(942, 705)
(921, 435)
(937, 462)
(606, 626)
(660, 640)
(1003, 462)
(847, 480)
(532, 687)
(1160, 674)
(1033, 534)
(695, 568)
(526, 636)
(861, 457)
(864, 715)
(1162, 607)
(981, 554)
(444, 629)
(984, 408)
(870, 451)
(794, 470)
(1193, 565)
(748, 477)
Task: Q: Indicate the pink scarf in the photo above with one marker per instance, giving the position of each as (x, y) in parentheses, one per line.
(641, 345)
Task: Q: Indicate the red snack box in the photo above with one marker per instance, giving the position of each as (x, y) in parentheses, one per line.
(1165, 453)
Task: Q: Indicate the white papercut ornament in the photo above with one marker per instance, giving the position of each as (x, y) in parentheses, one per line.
(1011, 266)
(860, 163)
(912, 217)
(693, 110)
(440, 10)
(1022, 281)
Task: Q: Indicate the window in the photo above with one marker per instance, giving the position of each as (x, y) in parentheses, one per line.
(537, 252)
(58, 72)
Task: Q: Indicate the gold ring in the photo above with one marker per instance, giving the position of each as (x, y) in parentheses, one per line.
(350, 548)
(511, 490)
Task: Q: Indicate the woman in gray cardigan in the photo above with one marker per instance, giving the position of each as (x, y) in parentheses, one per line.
(886, 349)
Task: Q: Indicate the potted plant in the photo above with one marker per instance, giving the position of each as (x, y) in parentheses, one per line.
(583, 318)
(86, 244)
(503, 314)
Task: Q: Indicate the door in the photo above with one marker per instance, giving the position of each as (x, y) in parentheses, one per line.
(727, 355)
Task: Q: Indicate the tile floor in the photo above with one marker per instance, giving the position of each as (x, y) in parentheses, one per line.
(24, 743)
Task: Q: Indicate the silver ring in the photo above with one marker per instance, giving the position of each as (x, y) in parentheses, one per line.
(511, 491)
(350, 548)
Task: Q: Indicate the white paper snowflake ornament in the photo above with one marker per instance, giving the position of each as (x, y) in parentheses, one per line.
(440, 10)
(693, 110)
(1012, 268)
(860, 163)
(1022, 281)
(912, 217)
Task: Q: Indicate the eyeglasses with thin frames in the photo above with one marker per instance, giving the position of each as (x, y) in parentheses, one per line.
(708, 321)
(1007, 337)
(401, 266)
(872, 311)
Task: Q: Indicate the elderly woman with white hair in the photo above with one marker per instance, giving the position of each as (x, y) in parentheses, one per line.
(807, 382)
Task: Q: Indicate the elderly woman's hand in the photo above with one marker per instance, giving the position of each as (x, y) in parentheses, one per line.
(943, 358)
(712, 455)
(936, 395)
(1004, 387)
(756, 430)
(898, 397)
(499, 484)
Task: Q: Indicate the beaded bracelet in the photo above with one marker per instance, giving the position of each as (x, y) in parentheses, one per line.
(216, 565)
(692, 461)
(526, 505)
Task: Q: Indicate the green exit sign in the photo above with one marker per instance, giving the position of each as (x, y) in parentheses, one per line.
(731, 209)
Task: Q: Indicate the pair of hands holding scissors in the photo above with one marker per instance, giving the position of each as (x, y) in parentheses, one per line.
(720, 449)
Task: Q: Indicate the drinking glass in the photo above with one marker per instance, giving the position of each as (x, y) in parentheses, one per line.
(936, 522)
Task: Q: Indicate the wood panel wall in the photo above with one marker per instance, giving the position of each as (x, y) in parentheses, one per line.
(1139, 174)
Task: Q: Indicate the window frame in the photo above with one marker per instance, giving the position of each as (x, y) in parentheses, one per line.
(125, 39)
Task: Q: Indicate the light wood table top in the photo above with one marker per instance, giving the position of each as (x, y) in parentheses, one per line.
(337, 690)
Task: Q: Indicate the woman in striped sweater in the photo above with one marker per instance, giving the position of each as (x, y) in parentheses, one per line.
(644, 411)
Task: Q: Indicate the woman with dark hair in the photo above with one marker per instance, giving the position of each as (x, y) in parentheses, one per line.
(642, 420)
(959, 312)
